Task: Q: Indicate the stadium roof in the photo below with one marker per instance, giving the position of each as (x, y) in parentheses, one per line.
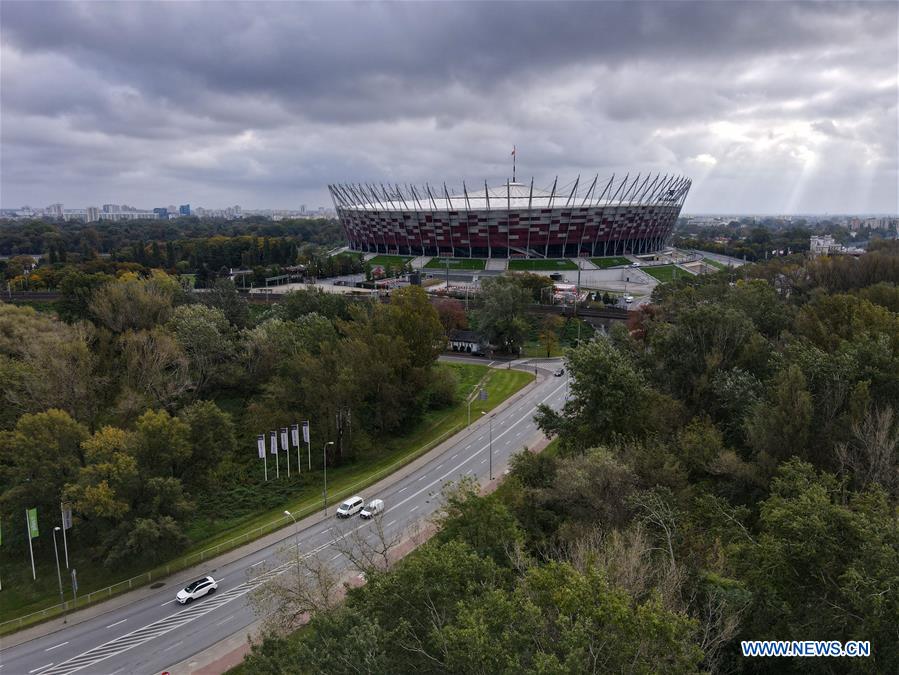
(640, 191)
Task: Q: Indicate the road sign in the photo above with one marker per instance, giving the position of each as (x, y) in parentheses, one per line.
(482, 394)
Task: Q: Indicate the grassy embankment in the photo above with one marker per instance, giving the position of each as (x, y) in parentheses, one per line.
(455, 264)
(211, 537)
(613, 261)
(542, 265)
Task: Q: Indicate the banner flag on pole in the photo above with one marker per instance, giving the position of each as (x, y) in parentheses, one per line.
(306, 431)
(67, 517)
(284, 445)
(273, 442)
(260, 445)
(295, 435)
(32, 524)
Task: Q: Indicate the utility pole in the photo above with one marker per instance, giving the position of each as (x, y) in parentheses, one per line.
(325, 466)
(62, 599)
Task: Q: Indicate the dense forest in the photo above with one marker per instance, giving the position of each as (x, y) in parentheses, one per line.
(141, 408)
(206, 249)
(726, 468)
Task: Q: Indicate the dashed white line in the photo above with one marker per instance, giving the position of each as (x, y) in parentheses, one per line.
(404, 489)
(336, 556)
(50, 649)
(467, 447)
(439, 466)
(423, 477)
(454, 456)
(116, 623)
(41, 668)
(484, 461)
(166, 604)
(177, 644)
(413, 508)
(391, 523)
(256, 563)
(225, 620)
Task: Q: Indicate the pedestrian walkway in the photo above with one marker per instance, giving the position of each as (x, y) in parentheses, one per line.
(497, 264)
(420, 261)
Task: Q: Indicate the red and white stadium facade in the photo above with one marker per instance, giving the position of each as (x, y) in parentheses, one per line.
(513, 220)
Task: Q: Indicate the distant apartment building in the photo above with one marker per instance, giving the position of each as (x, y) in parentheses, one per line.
(128, 215)
(93, 214)
(161, 212)
(54, 211)
(112, 208)
(184, 210)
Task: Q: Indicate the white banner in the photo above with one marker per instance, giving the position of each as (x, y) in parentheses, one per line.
(260, 444)
(284, 445)
(67, 517)
(295, 435)
(306, 431)
(273, 442)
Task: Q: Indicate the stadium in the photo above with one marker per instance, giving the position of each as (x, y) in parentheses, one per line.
(513, 220)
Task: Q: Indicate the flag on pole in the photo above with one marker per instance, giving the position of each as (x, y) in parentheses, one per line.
(513, 150)
(67, 517)
(273, 442)
(260, 445)
(306, 431)
(295, 435)
(284, 445)
(32, 524)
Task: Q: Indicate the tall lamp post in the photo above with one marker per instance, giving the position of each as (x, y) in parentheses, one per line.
(62, 599)
(490, 452)
(325, 466)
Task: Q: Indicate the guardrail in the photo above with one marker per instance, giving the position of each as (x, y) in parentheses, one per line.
(12, 625)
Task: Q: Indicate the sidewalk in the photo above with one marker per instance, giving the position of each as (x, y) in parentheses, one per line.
(181, 578)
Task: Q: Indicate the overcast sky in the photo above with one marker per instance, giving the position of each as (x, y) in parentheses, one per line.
(770, 107)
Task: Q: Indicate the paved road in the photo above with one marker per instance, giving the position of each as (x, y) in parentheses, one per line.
(155, 632)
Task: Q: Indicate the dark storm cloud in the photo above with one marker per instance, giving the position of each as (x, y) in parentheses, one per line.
(268, 102)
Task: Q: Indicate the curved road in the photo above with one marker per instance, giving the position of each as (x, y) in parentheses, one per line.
(154, 632)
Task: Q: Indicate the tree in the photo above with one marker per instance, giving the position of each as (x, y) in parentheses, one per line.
(157, 371)
(38, 458)
(202, 333)
(779, 428)
(211, 438)
(825, 563)
(161, 444)
(223, 295)
(549, 334)
(132, 303)
(501, 317)
(451, 313)
(608, 396)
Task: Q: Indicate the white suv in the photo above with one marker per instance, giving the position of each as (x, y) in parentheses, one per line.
(197, 589)
(350, 507)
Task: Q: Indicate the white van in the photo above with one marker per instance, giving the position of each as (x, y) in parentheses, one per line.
(374, 507)
(350, 507)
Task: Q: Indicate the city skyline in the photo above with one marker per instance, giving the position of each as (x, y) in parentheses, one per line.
(771, 108)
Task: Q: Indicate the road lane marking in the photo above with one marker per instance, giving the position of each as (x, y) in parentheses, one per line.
(404, 489)
(467, 447)
(454, 456)
(391, 523)
(225, 620)
(335, 556)
(440, 466)
(256, 563)
(177, 644)
(484, 461)
(423, 477)
(50, 649)
(166, 604)
(40, 668)
(413, 508)
(118, 622)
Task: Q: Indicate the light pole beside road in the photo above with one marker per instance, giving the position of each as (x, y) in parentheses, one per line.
(62, 599)
(325, 466)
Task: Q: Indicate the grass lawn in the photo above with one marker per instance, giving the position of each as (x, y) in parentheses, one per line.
(714, 263)
(613, 261)
(537, 264)
(665, 273)
(456, 264)
(301, 495)
(389, 260)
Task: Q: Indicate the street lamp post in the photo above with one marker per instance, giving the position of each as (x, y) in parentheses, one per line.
(62, 599)
(325, 466)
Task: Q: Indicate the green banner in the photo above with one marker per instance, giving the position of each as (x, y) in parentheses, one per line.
(32, 523)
